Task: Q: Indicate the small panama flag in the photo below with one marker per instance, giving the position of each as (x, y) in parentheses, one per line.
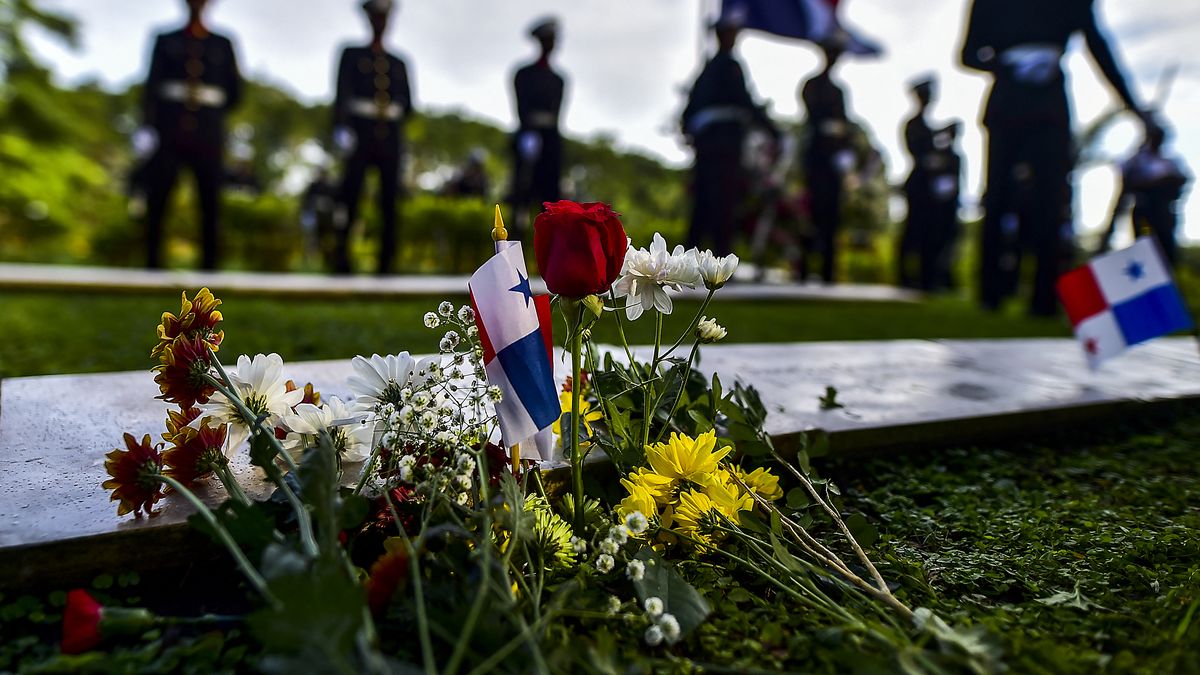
(515, 331)
(1122, 298)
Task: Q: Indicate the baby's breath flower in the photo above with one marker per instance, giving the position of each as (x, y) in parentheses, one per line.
(432, 320)
(605, 563)
(608, 546)
(465, 462)
(670, 628)
(635, 570)
(405, 471)
(473, 332)
(443, 438)
(619, 534)
(578, 545)
(453, 337)
(406, 394)
(654, 636)
(461, 499)
(463, 481)
(614, 604)
(636, 522)
(466, 314)
(445, 308)
(494, 394)
(421, 400)
(446, 344)
(408, 415)
(429, 420)
(653, 606)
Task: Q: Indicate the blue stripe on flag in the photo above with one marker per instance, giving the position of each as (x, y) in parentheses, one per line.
(528, 370)
(1156, 312)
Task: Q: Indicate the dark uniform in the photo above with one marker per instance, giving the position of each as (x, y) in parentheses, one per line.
(719, 114)
(537, 145)
(1028, 200)
(1152, 182)
(373, 101)
(828, 143)
(193, 83)
(917, 239)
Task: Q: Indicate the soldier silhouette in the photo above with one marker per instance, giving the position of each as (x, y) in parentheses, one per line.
(372, 103)
(193, 83)
(719, 113)
(1030, 157)
(828, 156)
(537, 145)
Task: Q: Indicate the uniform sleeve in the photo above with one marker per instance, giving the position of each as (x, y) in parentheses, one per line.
(758, 113)
(406, 89)
(1106, 60)
(978, 51)
(341, 90)
(233, 84)
(695, 96)
(153, 82)
(520, 96)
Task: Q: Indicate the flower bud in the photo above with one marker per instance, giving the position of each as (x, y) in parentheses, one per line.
(708, 330)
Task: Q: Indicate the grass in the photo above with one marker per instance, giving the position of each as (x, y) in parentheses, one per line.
(54, 332)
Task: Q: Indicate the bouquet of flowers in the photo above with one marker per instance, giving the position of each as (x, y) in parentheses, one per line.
(401, 534)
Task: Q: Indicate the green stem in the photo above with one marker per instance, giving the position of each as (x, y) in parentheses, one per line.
(418, 589)
(500, 654)
(303, 517)
(692, 326)
(687, 373)
(239, 557)
(232, 487)
(576, 454)
(367, 469)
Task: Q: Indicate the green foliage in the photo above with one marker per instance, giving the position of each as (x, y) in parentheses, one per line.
(679, 598)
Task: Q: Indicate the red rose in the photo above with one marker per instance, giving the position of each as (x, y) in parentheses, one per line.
(81, 622)
(580, 247)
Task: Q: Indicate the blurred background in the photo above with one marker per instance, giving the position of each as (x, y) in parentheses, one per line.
(73, 71)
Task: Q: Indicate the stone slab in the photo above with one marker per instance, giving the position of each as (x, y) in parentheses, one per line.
(92, 279)
(55, 430)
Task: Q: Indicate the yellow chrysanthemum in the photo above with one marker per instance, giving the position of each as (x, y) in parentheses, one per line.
(685, 458)
(639, 499)
(586, 416)
(694, 516)
(661, 488)
(728, 497)
(764, 483)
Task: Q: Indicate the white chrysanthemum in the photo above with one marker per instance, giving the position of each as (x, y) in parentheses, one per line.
(654, 636)
(605, 563)
(380, 379)
(653, 606)
(648, 274)
(466, 314)
(715, 270)
(351, 437)
(637, 522)
(670, 627)
(635, 570)
(708, 330)
(259, 383)
(445, 308)
(432, 320)
(609, 547)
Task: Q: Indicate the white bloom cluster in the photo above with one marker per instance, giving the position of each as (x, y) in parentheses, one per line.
(663, 626)
(636, 523)
(649, 275)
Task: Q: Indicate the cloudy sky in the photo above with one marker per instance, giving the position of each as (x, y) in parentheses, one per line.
(627, 62)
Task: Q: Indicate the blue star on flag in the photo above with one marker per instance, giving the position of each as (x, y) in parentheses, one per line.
(1134, 270)
(522, 287)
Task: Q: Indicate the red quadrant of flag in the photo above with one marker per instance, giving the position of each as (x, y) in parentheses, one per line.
(1080, 294)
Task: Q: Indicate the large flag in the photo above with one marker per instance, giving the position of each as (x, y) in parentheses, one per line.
(813, 20)
(1122, 298)
(514, 327)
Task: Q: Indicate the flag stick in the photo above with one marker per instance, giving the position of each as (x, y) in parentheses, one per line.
(500, 234)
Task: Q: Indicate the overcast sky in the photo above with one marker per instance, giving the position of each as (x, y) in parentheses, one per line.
(627, 60)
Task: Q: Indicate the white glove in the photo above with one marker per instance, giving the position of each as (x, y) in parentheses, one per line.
(144, 141)
(1033, 64)
(844, 161)
(944, 187)
(529, 144)
(344, 139)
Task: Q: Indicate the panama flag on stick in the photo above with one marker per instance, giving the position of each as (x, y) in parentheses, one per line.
(1122, 298)
(515, 330)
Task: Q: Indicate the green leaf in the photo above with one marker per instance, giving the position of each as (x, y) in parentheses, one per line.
(797, 498)
(317, 622)
(679, 597)
(785, 556)
(249, 525)
(862, 529)
(702, 423)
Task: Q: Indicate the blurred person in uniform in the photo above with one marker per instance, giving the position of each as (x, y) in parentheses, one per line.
(537, 145)
(945, 169)
(1030, 155)
(471, 179)
(373, 101)
(319, 213)
(720, 112)
(192, 85)
(1153, 182)
(828, 156)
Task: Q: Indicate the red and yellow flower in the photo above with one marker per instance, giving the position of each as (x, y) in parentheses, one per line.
(180, 376)
(311, 395)
(197, 318)
(196, 453)
(178, 419)
(135, 475)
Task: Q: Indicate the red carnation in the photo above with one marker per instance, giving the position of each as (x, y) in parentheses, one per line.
(580, 247)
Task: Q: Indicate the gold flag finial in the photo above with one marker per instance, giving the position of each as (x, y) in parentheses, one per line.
(498, 231)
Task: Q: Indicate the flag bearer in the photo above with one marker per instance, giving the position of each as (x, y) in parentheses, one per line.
(828, 156)
(719, 113)
(373, 101)
(192, 85)
(537, 144)
(1028, 201)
